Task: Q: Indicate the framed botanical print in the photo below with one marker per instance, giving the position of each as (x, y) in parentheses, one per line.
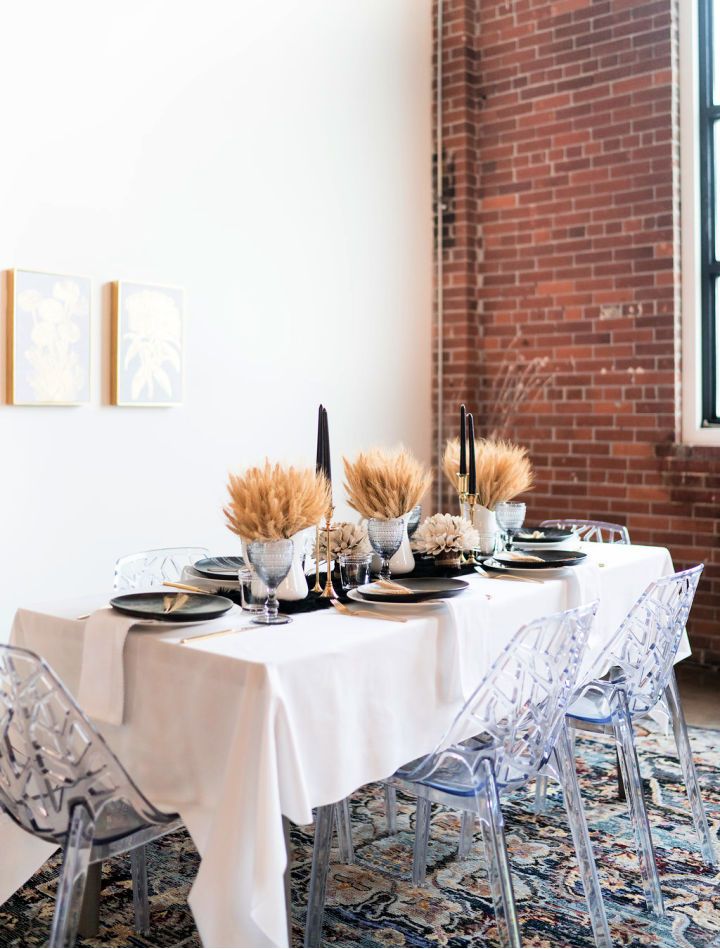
(48, 338)
(147, 357)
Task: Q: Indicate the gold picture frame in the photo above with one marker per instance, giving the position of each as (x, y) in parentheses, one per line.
(54, 343)
(147, 331)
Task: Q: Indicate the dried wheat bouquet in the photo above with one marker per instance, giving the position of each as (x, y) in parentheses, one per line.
(385, 484)
(503, 470)
(274, 502)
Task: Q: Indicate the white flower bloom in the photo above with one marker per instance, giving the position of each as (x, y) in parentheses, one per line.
(445, 533)
(348, 538)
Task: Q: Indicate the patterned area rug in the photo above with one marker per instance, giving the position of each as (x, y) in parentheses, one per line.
(373, 903)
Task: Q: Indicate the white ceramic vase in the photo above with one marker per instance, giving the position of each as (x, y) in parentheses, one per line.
(484, 520)
(403, 560)
(294, 586)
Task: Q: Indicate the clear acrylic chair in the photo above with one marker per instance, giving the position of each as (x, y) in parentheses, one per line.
(634, 675)
(601, 532)
(59, 781)
(151, 568)
(511, 727)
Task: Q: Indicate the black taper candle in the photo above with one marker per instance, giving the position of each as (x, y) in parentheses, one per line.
(326, 448)
(320, 441)
(463, 440)
(472, 480)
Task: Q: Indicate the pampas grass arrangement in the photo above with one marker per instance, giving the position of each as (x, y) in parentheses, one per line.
(274, 502)
(503, 470)
(385, 484)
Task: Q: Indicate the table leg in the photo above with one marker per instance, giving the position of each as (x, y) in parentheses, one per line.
(289, 851)
(89, 923)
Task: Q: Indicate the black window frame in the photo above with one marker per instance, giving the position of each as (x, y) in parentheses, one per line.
(710, 263)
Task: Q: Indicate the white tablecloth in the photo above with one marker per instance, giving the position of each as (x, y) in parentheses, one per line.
(237, 731)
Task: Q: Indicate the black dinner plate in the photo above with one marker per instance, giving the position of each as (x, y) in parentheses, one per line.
(197, 607)
(552, 535)
(423, 588)
(219, 568)
(550, 560)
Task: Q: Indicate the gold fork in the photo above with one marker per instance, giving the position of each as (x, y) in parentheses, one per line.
(341, 608)
(212, 635)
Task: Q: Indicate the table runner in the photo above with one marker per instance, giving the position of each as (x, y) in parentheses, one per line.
(240, 730)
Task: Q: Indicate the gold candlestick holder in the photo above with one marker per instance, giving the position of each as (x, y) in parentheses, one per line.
(318, 587)
(329, 592)
(472, 501)
(462, 489)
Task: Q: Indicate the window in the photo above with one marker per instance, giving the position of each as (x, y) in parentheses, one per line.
(709, 247)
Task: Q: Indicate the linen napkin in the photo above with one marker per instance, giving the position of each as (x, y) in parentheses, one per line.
(101, 693)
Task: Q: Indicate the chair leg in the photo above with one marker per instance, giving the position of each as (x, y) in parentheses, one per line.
(467, 830)
(620, 785)
(565, 762)
(422, 835)
(319, 875)
(89, 922)
(71, 887)
(390, 808)
(493, 832)
(344, 831)
(141, 904)
(541, 783)
(630, 767)
(687, 764)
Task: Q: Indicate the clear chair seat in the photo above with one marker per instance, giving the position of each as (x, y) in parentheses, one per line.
(592, 706)
(460, 772)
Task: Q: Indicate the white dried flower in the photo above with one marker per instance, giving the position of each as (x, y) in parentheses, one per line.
(348, 538)
(445, 533)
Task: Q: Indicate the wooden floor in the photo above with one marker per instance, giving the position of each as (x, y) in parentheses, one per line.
(700, 692)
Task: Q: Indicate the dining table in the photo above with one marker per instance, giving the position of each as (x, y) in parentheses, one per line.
(240, 731)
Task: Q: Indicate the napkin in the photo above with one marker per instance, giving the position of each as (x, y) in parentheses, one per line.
(521, 557)
(101, 693)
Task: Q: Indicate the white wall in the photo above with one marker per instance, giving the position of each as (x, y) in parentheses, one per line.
(272, 157)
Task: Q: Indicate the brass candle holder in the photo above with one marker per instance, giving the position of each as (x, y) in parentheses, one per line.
(329, 592)
(472, 500)
(462, 489)
(318, 587)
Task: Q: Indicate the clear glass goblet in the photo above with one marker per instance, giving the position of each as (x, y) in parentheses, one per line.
(272, 560)
(510, 516)
(385, 536)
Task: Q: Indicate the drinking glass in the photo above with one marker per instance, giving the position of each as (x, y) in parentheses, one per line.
(487, 542)
(354, 570)
(385, 536)
(272, 560)
(510, 516)
(253, 592)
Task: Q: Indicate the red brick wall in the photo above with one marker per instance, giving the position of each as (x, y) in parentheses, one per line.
(561, 135)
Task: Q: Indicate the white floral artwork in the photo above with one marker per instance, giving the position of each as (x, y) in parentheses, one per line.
(50, 355)
(149, 344)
